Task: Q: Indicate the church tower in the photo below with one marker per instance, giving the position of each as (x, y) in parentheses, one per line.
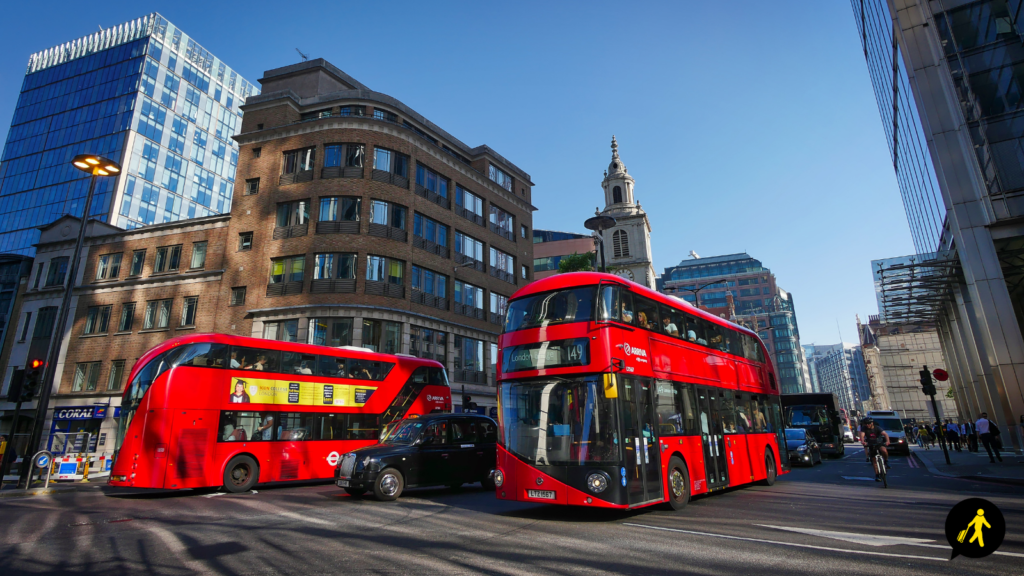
(627, 246)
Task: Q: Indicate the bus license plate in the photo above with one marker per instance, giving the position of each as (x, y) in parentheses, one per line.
(343, 483)
(545, 494)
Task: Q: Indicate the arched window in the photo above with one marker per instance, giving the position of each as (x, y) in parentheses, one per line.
(616, 195)
(620, 244)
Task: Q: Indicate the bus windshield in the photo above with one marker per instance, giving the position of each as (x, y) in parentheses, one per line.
(558, 307)
(559, 422)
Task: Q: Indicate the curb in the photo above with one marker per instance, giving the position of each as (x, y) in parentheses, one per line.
(26, 493)
(993, 479)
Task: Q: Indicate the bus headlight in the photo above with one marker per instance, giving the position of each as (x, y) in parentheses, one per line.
(597, 482)
(499, 478)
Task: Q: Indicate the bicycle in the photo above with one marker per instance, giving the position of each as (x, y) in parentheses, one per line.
(879, 464)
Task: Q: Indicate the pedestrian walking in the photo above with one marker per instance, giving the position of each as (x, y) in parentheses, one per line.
(925, 437)
(953, 435)
(989, 434)
(919, 436)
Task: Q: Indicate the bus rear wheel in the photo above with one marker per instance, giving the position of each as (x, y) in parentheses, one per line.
(241, 474)
(769, 467)
(678, 484)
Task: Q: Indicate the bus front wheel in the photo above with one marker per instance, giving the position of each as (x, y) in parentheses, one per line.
(389, 485)
(678, 484)
(241, 474)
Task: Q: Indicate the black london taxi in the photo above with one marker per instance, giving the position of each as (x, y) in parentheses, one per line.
(423, 450)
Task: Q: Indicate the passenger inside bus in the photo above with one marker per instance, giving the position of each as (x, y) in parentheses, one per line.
(668, 326)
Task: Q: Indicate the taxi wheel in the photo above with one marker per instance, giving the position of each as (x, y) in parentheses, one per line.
(389, 485)
(769, 467)
(678, 484)
(240, 474)
(455, 485)
(355, 492)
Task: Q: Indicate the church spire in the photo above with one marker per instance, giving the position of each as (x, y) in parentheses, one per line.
(616, 166)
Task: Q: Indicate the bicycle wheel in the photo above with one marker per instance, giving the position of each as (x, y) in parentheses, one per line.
(880, 465)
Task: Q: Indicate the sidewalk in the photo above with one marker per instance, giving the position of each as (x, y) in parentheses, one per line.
(973, 465)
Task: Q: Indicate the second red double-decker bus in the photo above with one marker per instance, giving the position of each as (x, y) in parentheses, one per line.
(211, 410)
(617, 396)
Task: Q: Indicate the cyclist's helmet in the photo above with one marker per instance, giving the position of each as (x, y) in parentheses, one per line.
(867, 421)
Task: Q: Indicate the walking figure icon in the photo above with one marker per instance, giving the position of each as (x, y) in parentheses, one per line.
(982, 519)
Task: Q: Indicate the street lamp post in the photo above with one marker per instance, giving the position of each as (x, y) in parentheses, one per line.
(599, 224)
(696, 292)
(96, 166)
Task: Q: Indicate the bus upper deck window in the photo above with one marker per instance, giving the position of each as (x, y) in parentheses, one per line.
(614, 306)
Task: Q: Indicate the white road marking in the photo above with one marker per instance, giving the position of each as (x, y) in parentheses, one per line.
(215, 494)
(865, 478)
(868, 539)
(792, 544)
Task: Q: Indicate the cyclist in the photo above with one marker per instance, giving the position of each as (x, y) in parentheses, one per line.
(875, 440)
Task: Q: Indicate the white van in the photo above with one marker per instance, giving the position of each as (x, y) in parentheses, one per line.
(889, 420)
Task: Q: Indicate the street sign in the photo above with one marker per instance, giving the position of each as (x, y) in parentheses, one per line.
(42, 460)
(940, 374)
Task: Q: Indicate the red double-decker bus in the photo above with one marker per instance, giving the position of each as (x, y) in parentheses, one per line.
(211, 409)
(616, 396)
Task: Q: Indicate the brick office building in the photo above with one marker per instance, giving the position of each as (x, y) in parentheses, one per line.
(355, 221)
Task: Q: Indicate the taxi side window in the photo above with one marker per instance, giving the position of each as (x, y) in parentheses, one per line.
(486, 431)
(436, 434)
(463, 431)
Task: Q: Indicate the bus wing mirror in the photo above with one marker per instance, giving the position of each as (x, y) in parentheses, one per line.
(611, 388)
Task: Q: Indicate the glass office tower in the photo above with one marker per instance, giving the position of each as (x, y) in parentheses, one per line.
(142, 93)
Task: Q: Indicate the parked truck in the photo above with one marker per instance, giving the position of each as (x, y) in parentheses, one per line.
(818, 414)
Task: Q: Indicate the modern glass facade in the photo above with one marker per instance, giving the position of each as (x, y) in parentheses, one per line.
(901, 123)
(143, 93)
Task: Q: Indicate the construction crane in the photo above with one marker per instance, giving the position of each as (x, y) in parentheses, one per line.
(304, 56)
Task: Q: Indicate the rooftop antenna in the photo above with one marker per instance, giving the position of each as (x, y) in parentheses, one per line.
(304, 56)
(693, 254)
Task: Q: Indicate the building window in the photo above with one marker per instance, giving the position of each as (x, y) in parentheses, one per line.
(526, 272)
(188, 311)
(616, 195)
(429, 282)
(57, 271)
(316, 115)
(389, 161)
(499, 304)
(383, 269)
(431, 180)
(469, 354)
(500, 178)
(620, 244)
(469, 247)
(429, 344)
(167, 259)
(44, 323)
(96, 320)
(292, 213)
(469, 205)
(330, 331)
(257, 152)
(503, 265)
(39, 276)
(352, 111)
(334, 266)
(344, 155)
(430, 235)
(287, 269)
(87, 374)
(24, 329)
(501, 223)
(116, 375)
(109, 267)
(238, 296)
(297, 161)
(340, 209)
(387, 214)
(382, 336)
(284, 330)
(198, 255)
(158, 314)
(523, 231)
(252, 186)
(244, 241)
(138, 259)
(127, 317)
(384, 115)
(469, 300)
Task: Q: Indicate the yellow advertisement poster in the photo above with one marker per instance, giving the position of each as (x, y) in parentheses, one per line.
(262, 391)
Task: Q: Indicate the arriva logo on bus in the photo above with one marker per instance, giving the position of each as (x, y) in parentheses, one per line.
(631, 351)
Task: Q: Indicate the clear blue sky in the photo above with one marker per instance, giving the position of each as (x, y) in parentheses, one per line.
(747, 125)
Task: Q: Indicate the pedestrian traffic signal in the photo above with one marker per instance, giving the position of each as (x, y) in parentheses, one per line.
(927, 385)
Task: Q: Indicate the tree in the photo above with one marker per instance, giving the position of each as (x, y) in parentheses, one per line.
(577, 263)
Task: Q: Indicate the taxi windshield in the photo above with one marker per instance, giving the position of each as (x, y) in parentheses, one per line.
(405, 433)
(559, 422)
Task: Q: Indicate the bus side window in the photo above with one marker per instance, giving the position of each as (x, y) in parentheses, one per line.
(727, 412)
(758, 419)
(742, 414)
(696, 330)
(609, 304)
(626, 307)
(646, 313)
(687, 409)
(670, 421)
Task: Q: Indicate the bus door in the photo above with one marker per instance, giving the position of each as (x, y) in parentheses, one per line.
(640, 434)
(712, 440)
(190, 450)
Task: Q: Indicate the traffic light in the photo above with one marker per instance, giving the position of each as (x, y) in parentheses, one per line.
(927, 385)
(466, 401)
(17, 382)
(33, 377)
